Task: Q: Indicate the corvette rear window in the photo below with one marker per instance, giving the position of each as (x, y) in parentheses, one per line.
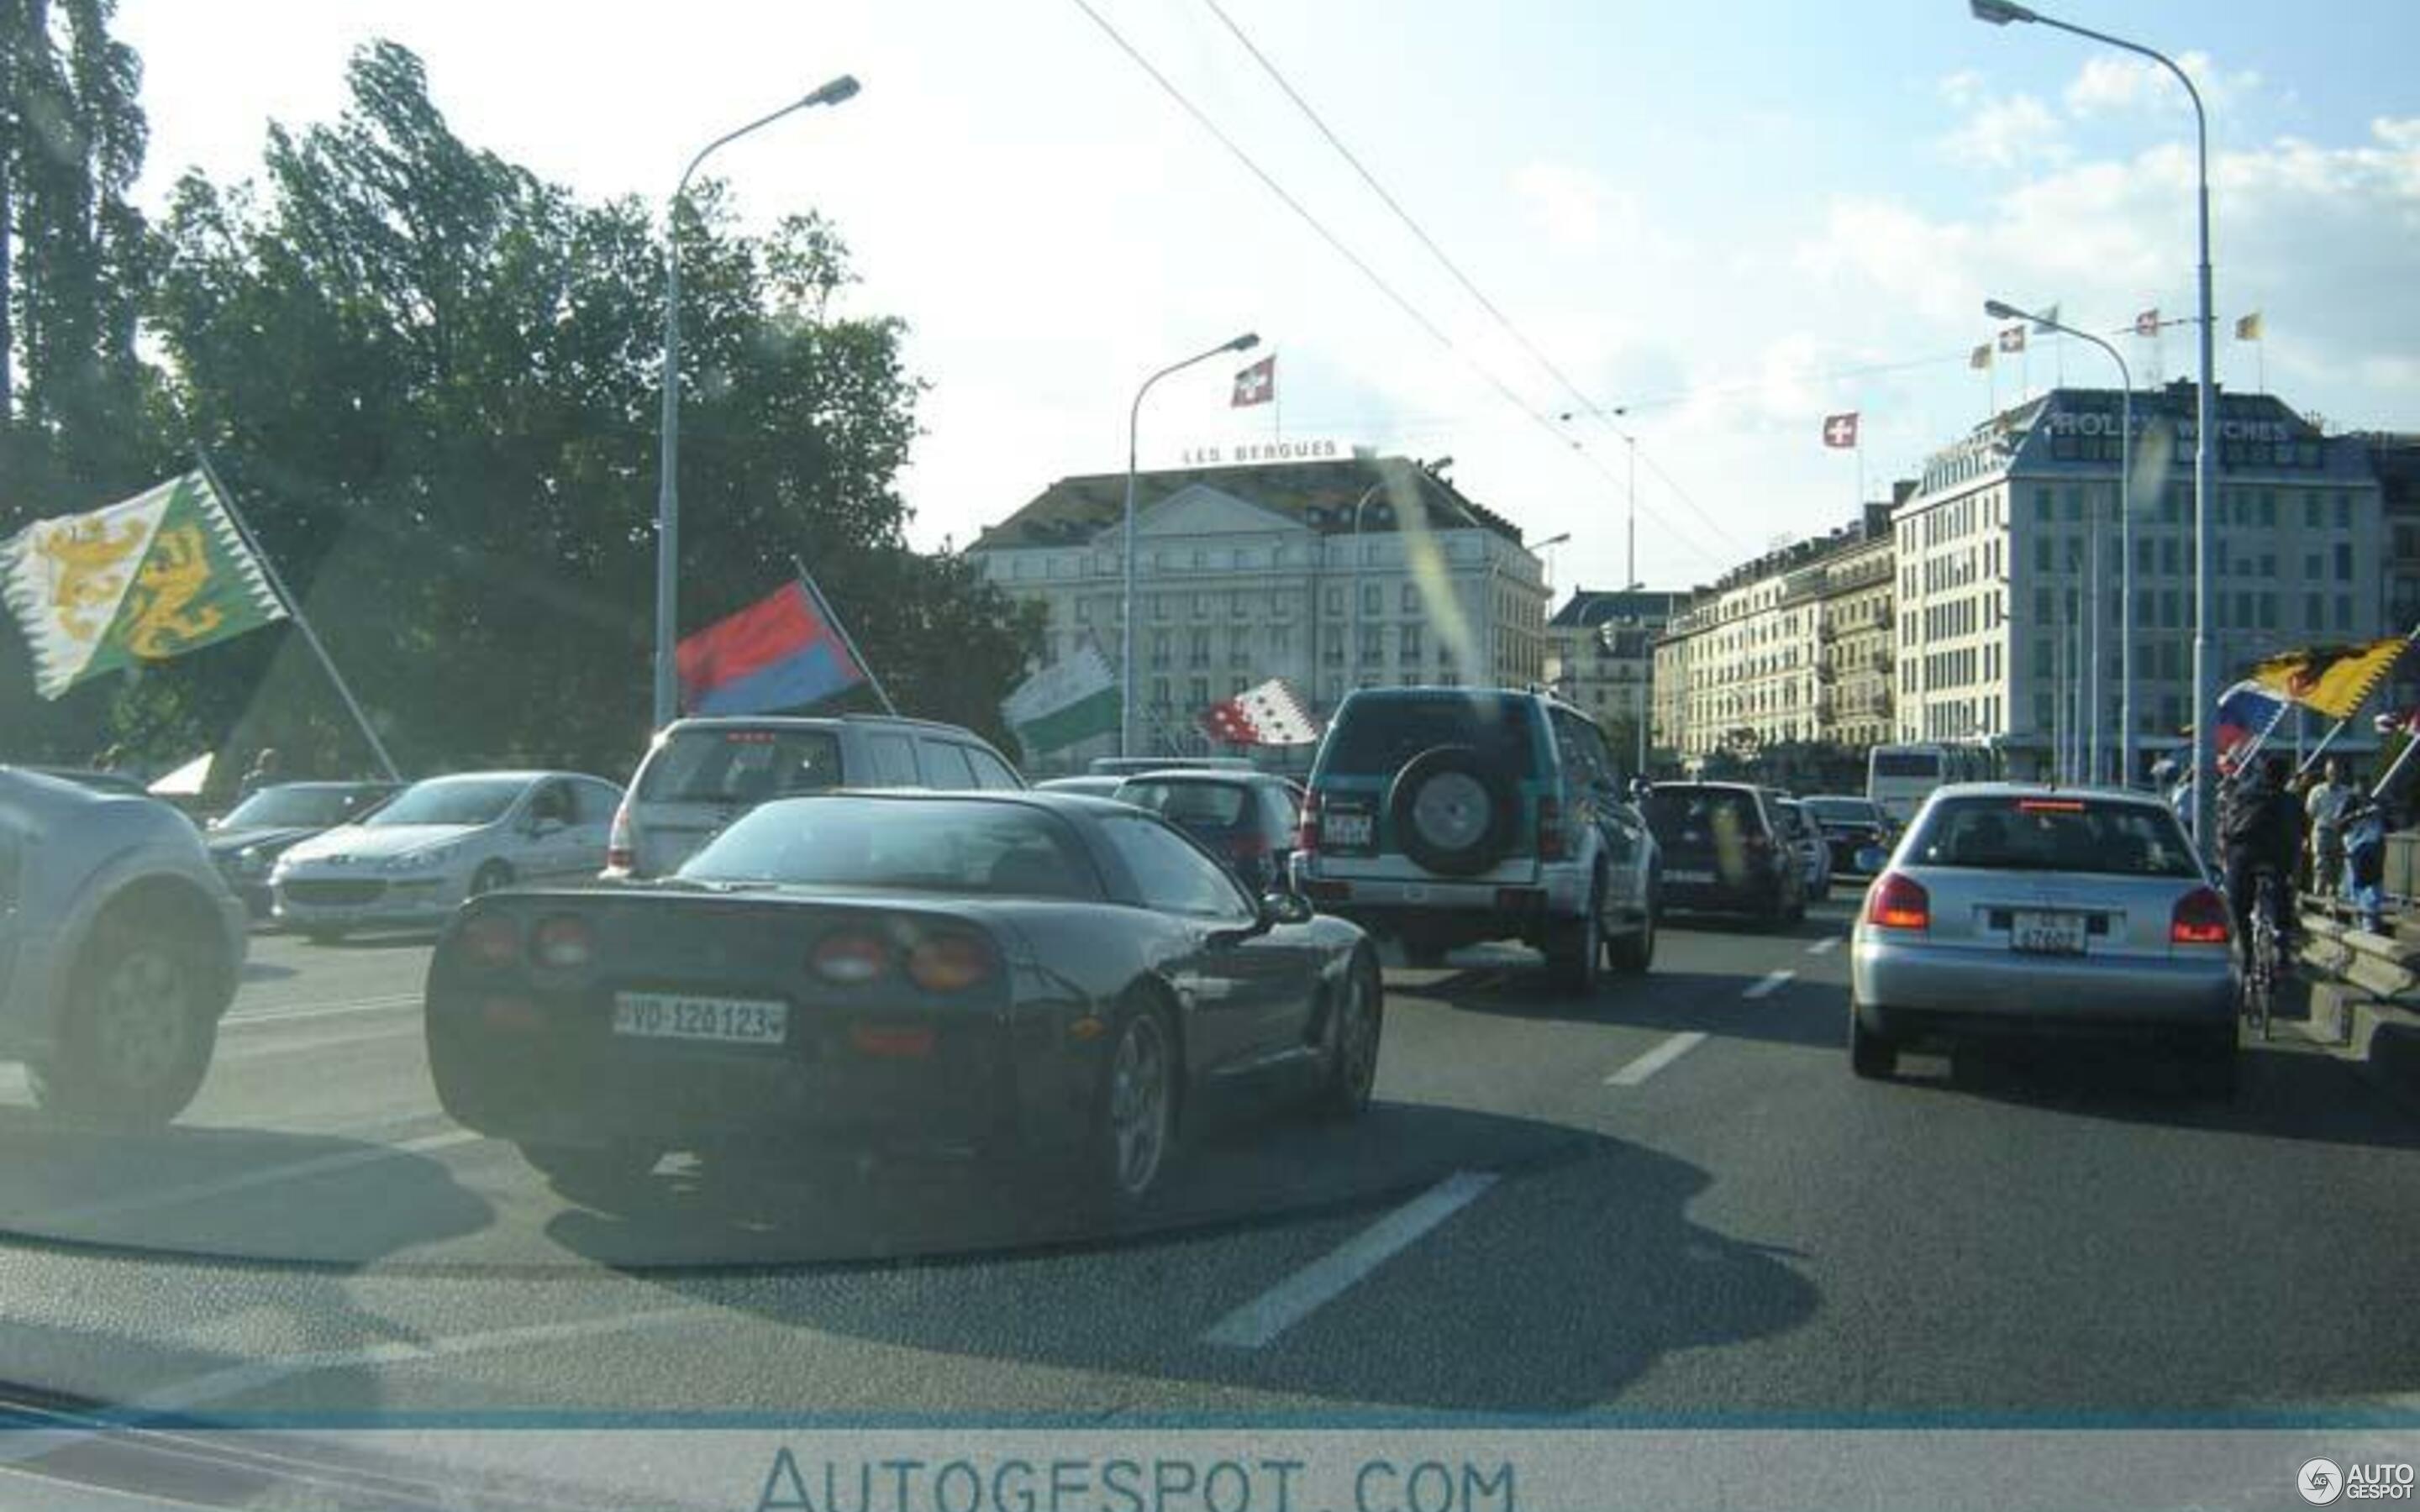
(939, 845)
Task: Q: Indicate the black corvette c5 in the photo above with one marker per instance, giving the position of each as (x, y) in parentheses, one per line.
(1036, 974)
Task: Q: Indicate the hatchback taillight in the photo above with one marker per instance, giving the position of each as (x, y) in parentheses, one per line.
(1553, 844)
(2201, 919)
(1897, 901)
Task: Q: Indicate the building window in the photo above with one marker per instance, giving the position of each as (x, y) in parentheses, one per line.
(2311, 511)
(2269, 507)
(2344, 511)
(1201, 690)
(1236, 602)
(2044, 553)
(1373, 598)
(1239, 647)
(1202, 606)
(1084, 611)
(2314, 567)
(1335, 601)
(1281, 640)
(1411, 598)
(2344, 611)
(2344, 561)
(2268, 612)
(1159, 691)
(1200, 649)
(1159, 648)
(1410, 649)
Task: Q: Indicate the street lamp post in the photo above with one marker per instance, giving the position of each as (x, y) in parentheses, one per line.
(1126, 636)
(2000, 13)
(1999, 311)
(667, 670)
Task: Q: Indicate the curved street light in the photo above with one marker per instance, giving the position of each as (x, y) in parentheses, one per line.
(1999, 310)
(667, 678)
(2205, 814)
(1126, 644)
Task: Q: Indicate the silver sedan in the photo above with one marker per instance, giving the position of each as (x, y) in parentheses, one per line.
(2023, 910)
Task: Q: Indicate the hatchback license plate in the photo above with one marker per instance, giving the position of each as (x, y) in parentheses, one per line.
(718, 1019)
(1348, 828)
(2047, 933)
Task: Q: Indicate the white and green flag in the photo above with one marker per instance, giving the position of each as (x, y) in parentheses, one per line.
(157, 576)
(1061, 705)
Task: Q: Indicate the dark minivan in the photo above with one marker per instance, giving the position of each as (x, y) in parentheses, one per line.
(1724, 852)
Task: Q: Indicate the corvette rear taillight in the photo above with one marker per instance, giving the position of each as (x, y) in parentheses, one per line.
(850, 958)
(563, 942)
(492, 941)
(950, 963)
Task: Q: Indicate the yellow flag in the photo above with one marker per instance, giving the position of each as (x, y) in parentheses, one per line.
(2331, 680)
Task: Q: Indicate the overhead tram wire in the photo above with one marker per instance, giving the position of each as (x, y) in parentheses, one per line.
(1435, 332)
(1421, 235)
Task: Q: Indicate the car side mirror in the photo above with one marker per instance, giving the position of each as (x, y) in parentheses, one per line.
(1286, 908)
(1872, 859)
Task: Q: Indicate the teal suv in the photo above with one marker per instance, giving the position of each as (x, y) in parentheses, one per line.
(1440, 817)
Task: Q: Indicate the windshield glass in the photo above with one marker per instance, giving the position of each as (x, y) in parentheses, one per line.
(1204, 805)
(1906, 763)
(451, 800)
(985, 849)
(300, 806)
(2053, 834)
(1841, 810)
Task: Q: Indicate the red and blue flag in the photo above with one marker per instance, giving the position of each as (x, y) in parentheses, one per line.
(2247, 711)
(782, 652)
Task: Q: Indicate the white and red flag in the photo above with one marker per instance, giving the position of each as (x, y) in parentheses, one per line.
(1256, 384)
(1270, 715)
(1841, 431)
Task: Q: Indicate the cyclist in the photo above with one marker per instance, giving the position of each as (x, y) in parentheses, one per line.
(2262, 829)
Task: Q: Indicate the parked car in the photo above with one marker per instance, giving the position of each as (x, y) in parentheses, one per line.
(1246, 819)
(699, 775)
(120, 951)
(97, 781)
(440, 842)
(1092, 786)
(1808, 842)
(1725, 852)
(1852, 827)
(245, 842)
(2021, 910)
(1061, 979)
(1442, 816)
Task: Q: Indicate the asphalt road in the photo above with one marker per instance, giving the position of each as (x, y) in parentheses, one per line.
(1672, 1198)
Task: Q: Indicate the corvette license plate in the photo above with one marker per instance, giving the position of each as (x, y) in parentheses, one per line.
(1347, 828)
(2047, 933)
(1693, 878)
(718, 1019)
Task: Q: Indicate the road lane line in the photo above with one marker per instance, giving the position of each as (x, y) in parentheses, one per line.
(235, 1381)
(323, 1011)
(253, 1050)
(1656, 1059)
(178, 1196)
(1773, 981)
(1824, 945)
(1321, 1282)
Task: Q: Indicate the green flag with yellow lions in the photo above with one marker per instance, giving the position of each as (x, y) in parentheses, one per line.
(142, 580)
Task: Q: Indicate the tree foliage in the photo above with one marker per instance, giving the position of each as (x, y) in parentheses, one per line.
(429, 378)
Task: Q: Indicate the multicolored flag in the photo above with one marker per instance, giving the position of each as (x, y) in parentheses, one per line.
(1981, 357)
(1068, 702)
(1841, 431)
(2148, 323)
(2405, 722)
(1270, 715)
(782, 651)
(2331, 680)
(151, 578)
(1256, 384)
(2248, 329)
(2246, 712)
(2013, 339)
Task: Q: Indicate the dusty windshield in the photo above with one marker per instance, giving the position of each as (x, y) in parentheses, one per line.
(726, 468)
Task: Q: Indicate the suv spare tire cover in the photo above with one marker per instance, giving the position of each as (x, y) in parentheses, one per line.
(1452, 814)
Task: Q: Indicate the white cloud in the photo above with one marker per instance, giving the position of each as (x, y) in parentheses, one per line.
(2013, 131)
(1570, 207)
(2106, 84)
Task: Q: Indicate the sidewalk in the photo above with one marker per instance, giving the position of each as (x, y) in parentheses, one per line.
(2363, 994)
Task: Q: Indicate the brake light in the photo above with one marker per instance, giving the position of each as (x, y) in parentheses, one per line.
(1306, 838)
(2049, 805)
(850, 958)
(2200, 918)
(620, 854)
(1898, 902)
(492, 941)
(1553, 844)
(950, 962)
(561, 942)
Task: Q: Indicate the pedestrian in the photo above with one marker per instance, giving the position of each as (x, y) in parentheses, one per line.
(2325, 809)
(262, 772)
(2365, 865)
(110, 760)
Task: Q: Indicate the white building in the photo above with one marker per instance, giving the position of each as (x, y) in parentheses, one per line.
(1601, 655)
(1996, 545)
(1329, 574)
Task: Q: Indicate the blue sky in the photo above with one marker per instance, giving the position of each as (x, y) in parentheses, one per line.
(1705, 213)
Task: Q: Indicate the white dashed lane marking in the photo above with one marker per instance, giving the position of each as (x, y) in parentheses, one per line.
(1656, 1059)
(1824, 945)
(1773, 981)
(1295, 1298)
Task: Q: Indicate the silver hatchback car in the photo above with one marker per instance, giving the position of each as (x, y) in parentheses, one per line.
(2024, 910)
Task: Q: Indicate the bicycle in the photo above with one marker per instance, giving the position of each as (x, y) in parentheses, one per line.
(2263, 953)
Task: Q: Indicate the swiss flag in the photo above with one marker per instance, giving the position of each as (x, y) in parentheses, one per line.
(1256, 384)
(2013, 339)
(2148, 323)
(1841, 431)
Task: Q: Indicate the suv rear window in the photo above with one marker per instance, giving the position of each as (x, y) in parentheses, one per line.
(741, 765)
(2053, 834)
(1377, 736)
(1697, 817)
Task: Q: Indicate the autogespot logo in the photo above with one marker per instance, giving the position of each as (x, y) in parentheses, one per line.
(2319, 1481)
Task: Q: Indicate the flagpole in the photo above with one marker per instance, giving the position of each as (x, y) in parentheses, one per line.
(807, 580)
(294, 610)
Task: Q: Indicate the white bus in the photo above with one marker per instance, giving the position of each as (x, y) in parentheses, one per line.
(1899, 777)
